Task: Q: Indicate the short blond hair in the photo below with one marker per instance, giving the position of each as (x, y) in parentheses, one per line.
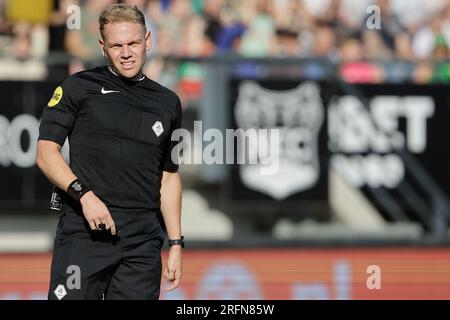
(120, 13)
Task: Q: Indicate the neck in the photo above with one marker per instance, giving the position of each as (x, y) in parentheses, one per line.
(138, 77)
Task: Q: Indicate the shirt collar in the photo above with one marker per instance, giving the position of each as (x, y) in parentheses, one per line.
(115, 73)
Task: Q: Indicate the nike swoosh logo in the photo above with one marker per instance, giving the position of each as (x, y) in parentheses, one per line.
(108, 91)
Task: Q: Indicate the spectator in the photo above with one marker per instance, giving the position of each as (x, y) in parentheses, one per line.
(411, 30)
(195, 41)
(445, 23)
(351, 50)
(20, 64)
(390, 39)
(412, 14)
(154, 16)
(174, 22)
(211, 15)
(325, 42)
(259, 37)
(351, 16)
(288, 44)
(424, 40)
(231, 30)
(3, 22)
(354, 69)
(58, 70)
(83, 43)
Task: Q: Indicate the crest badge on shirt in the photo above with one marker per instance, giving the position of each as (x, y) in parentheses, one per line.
(158, 128)
(60, 292)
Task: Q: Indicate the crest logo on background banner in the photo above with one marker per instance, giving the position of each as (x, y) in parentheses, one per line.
(299, 115)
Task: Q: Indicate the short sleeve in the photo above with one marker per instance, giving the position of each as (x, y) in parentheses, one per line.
(58, 117)
(170, 161)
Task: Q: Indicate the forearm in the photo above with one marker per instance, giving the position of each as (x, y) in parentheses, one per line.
(53, 165)
(171, 190)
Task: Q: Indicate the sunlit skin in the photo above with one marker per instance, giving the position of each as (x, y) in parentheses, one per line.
(125, 45)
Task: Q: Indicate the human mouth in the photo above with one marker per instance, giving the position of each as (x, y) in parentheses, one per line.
(127, 65)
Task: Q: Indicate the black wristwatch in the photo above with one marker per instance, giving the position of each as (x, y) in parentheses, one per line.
(173, 242)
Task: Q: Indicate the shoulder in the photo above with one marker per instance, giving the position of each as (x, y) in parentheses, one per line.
(164, 92)
(87, 75)
(75, 81)
(80, 82)
(168, 97)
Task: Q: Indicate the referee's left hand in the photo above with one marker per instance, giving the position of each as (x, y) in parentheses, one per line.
(172, 271)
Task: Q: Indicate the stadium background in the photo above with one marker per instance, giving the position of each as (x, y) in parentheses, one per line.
(362, 109)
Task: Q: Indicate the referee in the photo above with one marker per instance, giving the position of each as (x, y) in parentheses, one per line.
(121, 174)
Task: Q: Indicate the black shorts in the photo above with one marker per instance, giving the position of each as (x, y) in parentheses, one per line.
(96, 265)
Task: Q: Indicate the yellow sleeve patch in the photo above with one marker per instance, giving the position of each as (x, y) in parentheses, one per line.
(57, 95)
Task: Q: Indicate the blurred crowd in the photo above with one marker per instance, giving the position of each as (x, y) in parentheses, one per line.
(411, 43)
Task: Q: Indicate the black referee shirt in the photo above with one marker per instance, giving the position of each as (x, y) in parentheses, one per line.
(119, 134)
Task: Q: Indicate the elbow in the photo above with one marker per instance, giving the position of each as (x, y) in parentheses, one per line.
(40, 163)
(47, 153)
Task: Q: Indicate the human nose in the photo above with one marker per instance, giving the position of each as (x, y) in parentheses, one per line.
(126, 52)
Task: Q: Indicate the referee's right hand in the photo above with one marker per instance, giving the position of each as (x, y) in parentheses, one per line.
(96, 213)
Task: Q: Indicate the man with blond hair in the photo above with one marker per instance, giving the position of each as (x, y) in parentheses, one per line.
(121, 175)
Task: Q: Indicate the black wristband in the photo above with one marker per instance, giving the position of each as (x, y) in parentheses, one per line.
(173, 242)
(77, 189)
